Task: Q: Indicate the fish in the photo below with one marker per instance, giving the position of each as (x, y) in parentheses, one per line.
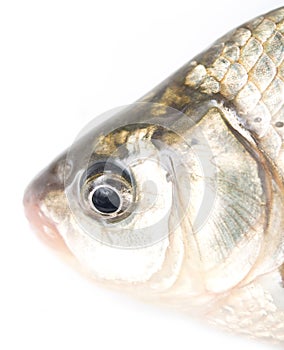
(178, 198)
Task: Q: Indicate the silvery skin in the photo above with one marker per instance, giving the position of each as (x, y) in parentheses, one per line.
(178, 198)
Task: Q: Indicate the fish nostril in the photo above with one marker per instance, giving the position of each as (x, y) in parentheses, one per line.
(63, 169)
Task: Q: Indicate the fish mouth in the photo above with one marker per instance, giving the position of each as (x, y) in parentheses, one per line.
(44, 227)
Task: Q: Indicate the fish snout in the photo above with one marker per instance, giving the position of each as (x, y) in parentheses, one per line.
(50, 180)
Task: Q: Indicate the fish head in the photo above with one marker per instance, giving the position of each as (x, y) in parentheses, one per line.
(148, 199)
(179, 198)
(113, 199)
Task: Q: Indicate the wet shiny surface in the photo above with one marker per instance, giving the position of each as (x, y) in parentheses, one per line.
(217, 269)
(49, 90)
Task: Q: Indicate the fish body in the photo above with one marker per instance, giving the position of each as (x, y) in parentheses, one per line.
(179, 198)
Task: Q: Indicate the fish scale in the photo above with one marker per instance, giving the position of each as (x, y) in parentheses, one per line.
(251, 78)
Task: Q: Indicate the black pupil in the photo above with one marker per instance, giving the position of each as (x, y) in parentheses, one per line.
(106, 200)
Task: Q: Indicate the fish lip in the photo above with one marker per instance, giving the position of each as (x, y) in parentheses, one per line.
(45, 229)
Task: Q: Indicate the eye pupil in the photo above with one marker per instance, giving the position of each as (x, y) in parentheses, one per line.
(106, 200)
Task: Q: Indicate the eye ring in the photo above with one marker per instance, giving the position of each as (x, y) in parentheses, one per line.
(107, 191)
(105, 200)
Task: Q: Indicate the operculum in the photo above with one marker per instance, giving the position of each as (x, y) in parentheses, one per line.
(226, 229)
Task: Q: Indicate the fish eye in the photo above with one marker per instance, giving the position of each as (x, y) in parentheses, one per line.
(105, 199)
(107, 190)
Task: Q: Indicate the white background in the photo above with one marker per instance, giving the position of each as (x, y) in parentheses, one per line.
(61, 64)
